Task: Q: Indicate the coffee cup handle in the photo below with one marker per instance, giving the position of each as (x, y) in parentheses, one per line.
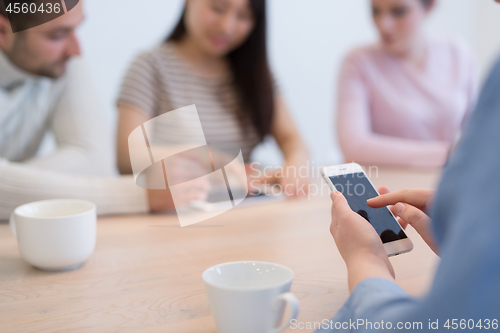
(293, 302)
(12, 224)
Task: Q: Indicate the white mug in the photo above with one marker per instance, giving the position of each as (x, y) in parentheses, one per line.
(55, 234)
(250, 296)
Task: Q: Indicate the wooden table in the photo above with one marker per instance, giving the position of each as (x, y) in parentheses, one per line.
(145, 273)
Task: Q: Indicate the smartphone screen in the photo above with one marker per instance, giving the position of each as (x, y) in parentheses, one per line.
(357, 189)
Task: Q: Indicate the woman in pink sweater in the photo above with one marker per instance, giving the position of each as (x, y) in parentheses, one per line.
(404, 100)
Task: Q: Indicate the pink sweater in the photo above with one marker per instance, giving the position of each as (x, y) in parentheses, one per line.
(392, 113)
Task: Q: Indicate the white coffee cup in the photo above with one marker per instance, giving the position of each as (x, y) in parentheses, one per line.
(250, 296)
(55, 234)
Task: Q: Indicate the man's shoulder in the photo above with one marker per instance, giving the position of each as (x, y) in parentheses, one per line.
(76, 66)
(77, 75)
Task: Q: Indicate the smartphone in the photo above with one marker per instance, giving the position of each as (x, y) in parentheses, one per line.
(351, 180)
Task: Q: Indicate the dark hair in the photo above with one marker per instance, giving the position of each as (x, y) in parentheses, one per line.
(250, 69)
(427, 3)
(2, 9)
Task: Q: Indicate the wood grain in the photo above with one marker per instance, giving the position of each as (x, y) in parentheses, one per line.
(145, 273)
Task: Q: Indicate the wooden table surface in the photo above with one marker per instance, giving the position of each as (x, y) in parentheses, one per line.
(145, 273)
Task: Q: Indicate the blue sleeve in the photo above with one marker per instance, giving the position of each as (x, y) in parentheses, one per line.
(466, 220)
(371, 300)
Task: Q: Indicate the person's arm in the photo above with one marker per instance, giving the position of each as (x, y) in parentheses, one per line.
(376, 298)
(137, 103)
(361, 145)
(466, 229)
(358, 243)
(293, 148)
(465, 286)
(20, 184)
(129, 118)
(287, 135)
(370, 273)
(81, 129)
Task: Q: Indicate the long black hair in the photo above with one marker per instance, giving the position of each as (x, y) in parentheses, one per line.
(250, 70)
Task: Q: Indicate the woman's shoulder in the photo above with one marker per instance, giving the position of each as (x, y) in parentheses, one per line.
(161, 55)
(362, 56)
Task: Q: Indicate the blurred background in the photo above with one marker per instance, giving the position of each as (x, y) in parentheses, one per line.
(307, 42)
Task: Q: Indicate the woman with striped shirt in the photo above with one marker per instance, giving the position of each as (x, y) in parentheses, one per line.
(215, 58)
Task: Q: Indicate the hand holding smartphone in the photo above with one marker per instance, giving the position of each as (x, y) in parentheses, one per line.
(351, 180)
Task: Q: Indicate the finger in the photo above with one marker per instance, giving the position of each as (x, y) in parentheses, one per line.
(414, 216)
(401, 222)
(295, 187)
(418, 220)
(288, 189)
(335, 196)
(340, 206)
(203, 186)
(200, 195)
(383, 190)
(414, 197)
(267, 178)
(304, 188)
(251, 168)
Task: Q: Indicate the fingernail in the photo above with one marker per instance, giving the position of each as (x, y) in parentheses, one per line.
(399, 208)
(334, 194)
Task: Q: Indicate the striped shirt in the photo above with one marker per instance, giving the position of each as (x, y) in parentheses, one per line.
(161, 80)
